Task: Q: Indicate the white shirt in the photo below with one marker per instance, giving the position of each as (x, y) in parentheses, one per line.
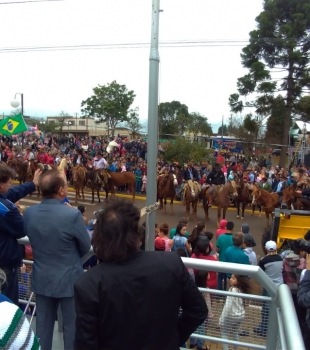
(100, 163)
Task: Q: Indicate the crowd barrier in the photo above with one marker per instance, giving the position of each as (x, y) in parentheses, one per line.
(283, 330)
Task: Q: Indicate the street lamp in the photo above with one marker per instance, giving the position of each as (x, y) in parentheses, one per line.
(15, 104)
(42, 122)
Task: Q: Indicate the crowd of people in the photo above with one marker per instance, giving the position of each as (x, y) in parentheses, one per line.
(113, 293)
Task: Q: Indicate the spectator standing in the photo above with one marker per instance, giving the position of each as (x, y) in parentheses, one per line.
(57, 249)
(248, 250)
(144, 182)
(245, 229)
(234, 253)
(222, 228)
(157, 280)
(223, 242)
(182, 220)
(12, 228)
(233, 312)
(198, 231)
(138, 173)
(163, 235)
(180, 240)
(272, 265)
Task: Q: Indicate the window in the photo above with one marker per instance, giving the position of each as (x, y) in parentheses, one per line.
(51, 121)
(82, 122)
(72, 122)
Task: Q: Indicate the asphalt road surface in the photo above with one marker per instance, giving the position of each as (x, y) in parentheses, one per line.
(256, 224)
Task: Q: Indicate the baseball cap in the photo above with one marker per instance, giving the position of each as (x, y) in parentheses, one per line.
(159, 244)
(271, 245)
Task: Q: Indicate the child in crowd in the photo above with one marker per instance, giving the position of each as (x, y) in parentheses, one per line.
(222, 228)
(144, 183)
(201, 278)
(248, 250)
(234, 312)
(202, 251)
(198, 231)
(163, 236)
(180, 240)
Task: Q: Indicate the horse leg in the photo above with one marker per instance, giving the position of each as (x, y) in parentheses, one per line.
(188, 208)
(93, 194)
(243, 208)
(260, 211)
(253, 209)
(219, 209)
(195, 210)
(134, 191)
(76, 194)
(165, 203)
(82, 189)
(98, 195)
(238, 208)
(171, 206)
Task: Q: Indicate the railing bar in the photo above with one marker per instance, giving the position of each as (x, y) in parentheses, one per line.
(232, 294)
(281, 330)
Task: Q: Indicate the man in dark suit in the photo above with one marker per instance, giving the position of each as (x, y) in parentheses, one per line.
(133, 297)
(59, 240)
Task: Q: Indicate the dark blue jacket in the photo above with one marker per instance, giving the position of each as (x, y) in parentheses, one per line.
(12, 224)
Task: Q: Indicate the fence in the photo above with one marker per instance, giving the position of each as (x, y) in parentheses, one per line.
(276, 310)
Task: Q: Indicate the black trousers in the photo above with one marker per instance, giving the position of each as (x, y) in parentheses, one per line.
(10, 287)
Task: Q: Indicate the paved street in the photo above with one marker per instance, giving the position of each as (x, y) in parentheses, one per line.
(256, 224)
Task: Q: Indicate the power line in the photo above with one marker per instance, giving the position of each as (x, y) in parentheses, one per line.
(26, 2)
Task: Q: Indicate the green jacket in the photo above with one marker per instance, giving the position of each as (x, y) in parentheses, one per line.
(266, 188)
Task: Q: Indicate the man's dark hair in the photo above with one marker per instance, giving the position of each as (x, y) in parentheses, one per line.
(238, 239)
(6, 173)
(116, 233)
(50, 182)
(307, 235)
(230, 225)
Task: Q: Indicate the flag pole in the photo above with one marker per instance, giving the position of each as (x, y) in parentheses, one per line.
(22, 112)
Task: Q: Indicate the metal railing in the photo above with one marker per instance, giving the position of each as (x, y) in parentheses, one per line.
(282, 327)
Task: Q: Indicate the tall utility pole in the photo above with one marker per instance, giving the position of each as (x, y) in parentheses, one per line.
(152, 132)
(222, 131)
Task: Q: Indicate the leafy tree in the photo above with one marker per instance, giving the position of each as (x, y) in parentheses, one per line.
(133, 123)
(183, 151)
(275, 122)
(280, 43)
(173, 118)
(199, 124)
(303, 108)
(225, 130)
(110, 103)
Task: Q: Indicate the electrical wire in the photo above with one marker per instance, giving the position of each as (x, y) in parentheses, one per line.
(26, 2)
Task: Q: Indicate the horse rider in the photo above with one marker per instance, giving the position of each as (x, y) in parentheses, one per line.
(190, 173)
(281, 186)
(265, 185)
(99, 162)
(28, 157)
(216, 177)
(79, 158)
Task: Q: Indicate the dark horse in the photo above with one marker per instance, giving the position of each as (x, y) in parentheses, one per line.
(166, 184)
(95, 180)
(243, 197)
(221, 198)
(21, 168)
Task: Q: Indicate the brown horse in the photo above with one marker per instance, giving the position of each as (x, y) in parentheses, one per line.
(113, 179)
(294, 199)
(21, 169)
(79, 179)
(268, 201)
(191, 198)
(244, 196)
(222, 198)
(166, 184)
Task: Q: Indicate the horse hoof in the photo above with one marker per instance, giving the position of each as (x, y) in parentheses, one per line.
(242, 218)
(238, 216)
(259, 216)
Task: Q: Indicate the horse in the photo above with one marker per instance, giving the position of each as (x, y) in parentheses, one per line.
(166, 189)
(191, 198)
(21, 168)
(243, 197)
(113, 179)
(63, 165)
(221, 198)
(266, 200)
(291, 198)
(79, 178)
(94, 179)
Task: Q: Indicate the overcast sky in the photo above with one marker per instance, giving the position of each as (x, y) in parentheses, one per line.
(52, 81)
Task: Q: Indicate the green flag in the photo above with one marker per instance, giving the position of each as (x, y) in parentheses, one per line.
(13, 125)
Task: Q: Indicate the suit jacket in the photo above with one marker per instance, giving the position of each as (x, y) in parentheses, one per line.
(187, 176)
(59, 240)
(136, 304)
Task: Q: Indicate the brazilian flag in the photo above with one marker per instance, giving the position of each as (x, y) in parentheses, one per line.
(13, 125)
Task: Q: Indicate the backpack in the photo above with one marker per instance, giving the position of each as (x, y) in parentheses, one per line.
(179, 243)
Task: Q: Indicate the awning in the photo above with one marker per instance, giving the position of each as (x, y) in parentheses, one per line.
(294, 132)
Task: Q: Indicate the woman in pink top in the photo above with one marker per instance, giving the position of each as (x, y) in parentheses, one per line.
(163, 235)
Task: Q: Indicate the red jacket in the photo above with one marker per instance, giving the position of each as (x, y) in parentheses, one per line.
(43, 158)
(50, 160)
(212, 279)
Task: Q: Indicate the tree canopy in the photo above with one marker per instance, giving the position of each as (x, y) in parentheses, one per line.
(199, 124)
(133, 123)
(183, 151)
(110, 103)
(280, 45)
